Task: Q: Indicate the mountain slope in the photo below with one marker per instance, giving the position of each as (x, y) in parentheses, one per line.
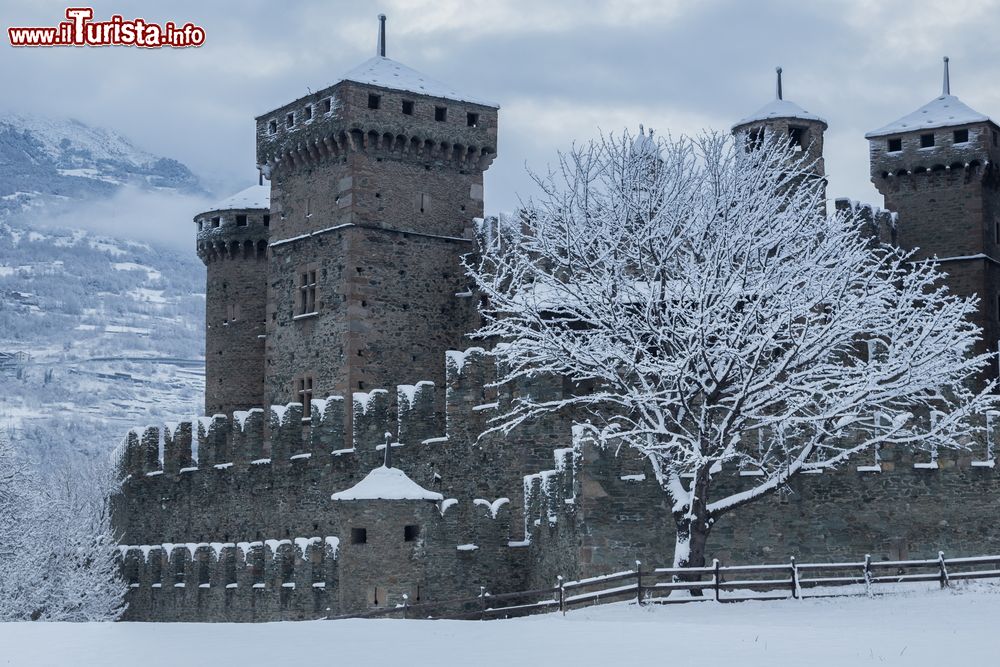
(97, 334)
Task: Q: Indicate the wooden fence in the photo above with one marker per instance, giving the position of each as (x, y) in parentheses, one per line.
(719, 583)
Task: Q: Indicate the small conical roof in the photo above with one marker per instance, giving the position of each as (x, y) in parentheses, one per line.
(779, 107)
(387, 73)
(256, 196)
(943, 111)
(385, 483)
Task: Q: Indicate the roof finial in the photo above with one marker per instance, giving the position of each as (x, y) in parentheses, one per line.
(388, 451)
(946, 84)
(777, 91)
(381, 35)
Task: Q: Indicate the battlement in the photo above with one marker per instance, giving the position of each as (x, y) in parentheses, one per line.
(233, 234)
(340, 120)
(881, 224)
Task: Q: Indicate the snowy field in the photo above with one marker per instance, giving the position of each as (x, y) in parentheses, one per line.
(934, 628)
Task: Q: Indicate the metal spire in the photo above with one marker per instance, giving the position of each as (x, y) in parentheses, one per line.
(777, 91)
(381, 35)
(946, 84)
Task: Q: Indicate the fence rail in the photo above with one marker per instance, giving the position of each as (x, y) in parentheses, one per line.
(721, 583)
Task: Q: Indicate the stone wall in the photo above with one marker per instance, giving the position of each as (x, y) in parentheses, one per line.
(519, 511)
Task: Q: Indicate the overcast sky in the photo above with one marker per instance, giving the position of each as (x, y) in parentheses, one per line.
(560, 70)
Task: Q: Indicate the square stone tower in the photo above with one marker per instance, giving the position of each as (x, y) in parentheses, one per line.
(936, 168)
(375, 182)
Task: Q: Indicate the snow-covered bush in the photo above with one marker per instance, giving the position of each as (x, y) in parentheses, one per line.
(716, 315)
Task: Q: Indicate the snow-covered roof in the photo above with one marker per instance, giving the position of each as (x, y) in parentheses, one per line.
(779, 108)
(387, 484)
(943, 111)
(387, 73)
(256, 196)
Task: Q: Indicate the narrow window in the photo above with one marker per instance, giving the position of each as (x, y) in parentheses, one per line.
(441, 114)
(424, 202)
(327, 105)
(796, 136)
(472, 119)
(307, 112)
(407, 107)
(374, 101)
(241, 220)
(410, 533)
(290, 120)
(755, 139)
(272, 127)
(996, 231)
(304, 391)
(359, 536)
(307, 292)
(267, 220)
(926, 140)
(201, 225)
(895, 145)
(961, 136)
(216, 221)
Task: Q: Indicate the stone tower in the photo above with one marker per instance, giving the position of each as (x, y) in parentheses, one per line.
(936, 168)
(785, 118)
(375, 182)
(232, 241)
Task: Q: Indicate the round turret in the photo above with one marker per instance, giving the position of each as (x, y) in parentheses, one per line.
(786, 118)
(232, 241)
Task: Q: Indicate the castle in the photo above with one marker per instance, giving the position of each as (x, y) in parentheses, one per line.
(336, 316)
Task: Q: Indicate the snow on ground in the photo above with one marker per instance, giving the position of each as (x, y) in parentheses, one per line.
(940, 628)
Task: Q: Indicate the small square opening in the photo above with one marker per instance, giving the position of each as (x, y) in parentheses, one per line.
(926, 140)
(359, 535)
(961, 136)
(374, 101)
(290, 120)
(441, 114)
(411, 533)
(307, 112)
(272, 127)
(895, 145)
(216, 222)
(408, 107)
(472, 119)
(241, 220)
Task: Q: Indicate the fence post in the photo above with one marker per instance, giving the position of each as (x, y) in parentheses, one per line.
(715, 578)
(638, 581)
(562, 594)
(868, 575)
(944, 570)
(406, 600)
(795, 580)
(482, 605)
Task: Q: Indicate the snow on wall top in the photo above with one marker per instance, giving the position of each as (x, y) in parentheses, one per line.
(256, 196)
(387, 484)
(940, 112)
(387, 73)
(779, 109)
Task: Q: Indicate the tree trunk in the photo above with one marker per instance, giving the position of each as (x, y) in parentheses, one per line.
(693, 525)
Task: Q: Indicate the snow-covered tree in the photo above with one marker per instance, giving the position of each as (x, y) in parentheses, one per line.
(714, 315)
(58, 558)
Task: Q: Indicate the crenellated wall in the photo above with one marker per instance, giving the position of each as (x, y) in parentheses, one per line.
(519, 510)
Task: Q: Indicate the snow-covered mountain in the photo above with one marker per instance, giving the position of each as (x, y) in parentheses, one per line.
(46, 161)
(97, 334)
